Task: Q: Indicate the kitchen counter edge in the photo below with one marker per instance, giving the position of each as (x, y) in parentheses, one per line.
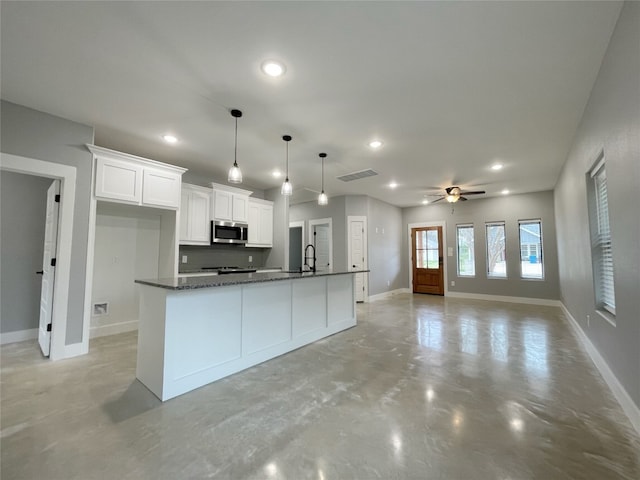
(210, 281)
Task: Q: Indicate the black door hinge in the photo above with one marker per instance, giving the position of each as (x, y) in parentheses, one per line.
(57, 199)
(49, 328)
(53, 262)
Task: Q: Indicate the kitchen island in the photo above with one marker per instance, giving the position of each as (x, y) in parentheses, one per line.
(195, 330)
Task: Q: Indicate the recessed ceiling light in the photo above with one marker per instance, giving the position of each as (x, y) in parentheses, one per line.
(276, 173)
(375, 144)
(393, 185)
(425, 201)
(169, 138)
(505, 192)
(273, 68)
(497, 166)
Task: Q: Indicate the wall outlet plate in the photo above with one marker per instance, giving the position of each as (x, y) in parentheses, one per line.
(184, 259)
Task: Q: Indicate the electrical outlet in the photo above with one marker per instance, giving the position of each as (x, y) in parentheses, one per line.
(250, 258)
(388, 283)
(588, 320)
(453, 283)
(184, 259)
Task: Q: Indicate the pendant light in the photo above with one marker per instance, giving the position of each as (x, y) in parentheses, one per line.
(287, 188)
(235, 175)
(322, 198)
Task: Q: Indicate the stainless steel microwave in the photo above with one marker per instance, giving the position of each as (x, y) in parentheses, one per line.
(229, 232)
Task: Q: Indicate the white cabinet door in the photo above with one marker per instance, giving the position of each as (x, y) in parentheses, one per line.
(184, 215)
(239, 210)
(160, 188)
(254, 223)
(222, 205)
(266, 225)
(199, 217)
(118, 180)
(195, 221)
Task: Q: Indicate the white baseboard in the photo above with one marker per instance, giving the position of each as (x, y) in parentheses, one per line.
(18, 336)
(113, 328)
(504, 298)
(390, 293)
(628, 406)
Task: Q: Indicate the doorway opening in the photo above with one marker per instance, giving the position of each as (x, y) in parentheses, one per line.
(296, 245)
(357, 255)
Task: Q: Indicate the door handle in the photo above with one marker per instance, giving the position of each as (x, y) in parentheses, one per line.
(41, 272)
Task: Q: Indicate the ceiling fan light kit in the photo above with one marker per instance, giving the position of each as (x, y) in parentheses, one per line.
(453, 194)
(287, 188)
(235, 174)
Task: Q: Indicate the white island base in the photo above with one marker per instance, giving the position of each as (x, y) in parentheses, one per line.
(189, 338)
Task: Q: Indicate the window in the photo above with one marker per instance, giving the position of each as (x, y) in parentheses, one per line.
(601, 252)
(496, 254)
(427, 249)
(466, 252)
(531, 265)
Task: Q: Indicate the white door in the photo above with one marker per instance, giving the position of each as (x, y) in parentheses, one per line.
(357, 254)
(48, 270)
(322, 242)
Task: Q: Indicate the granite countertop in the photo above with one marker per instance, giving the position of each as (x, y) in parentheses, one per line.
(192, 283)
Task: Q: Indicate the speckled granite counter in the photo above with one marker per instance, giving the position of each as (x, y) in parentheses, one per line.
(191, 334)
(208, 281)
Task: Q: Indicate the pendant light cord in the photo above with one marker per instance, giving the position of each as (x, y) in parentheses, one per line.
(322, 174)
(287, 178)
(235, 151)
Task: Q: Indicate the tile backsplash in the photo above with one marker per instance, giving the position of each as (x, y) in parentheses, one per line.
(220, 256)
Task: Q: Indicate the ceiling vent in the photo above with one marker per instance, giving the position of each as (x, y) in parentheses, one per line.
(350, 177)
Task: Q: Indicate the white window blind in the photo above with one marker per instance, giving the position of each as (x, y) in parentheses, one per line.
(602, 252)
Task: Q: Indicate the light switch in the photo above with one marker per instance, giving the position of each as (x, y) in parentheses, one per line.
(450, 251)
(184, 259)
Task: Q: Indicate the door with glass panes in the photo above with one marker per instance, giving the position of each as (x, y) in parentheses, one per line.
(427, 260)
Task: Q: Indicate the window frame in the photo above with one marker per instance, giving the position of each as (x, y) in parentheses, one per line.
(502, 224)
(540, 254)
(601, 242)
(473, 258)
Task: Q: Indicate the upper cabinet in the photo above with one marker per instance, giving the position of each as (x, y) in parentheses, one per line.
(125, 178)
(260, 223)
(195, 223)
(229, 204)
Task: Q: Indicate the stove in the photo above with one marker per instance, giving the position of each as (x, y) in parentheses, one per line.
(226, 270)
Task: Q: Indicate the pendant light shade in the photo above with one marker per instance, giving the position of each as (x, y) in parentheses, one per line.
(322, 198)
(287, 188)
(235, 175)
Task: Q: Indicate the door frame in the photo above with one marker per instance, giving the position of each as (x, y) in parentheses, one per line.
(322, 221)
(445, 250)
(365, 249)
(67, 176)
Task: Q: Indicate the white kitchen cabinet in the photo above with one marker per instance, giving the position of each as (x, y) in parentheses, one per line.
(229, 204)
(260, 220)
(124, 178)
(195, 217)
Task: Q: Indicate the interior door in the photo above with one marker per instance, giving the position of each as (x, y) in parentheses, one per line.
(48, 269)
(428, 265)
(357, 255)
(322, 239)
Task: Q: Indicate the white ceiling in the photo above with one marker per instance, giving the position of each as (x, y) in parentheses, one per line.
(450, 87)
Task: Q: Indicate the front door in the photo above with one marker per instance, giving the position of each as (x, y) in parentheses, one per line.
(48, 268)
(428, 265)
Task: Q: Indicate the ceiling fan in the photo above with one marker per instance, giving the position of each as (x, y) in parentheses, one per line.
(453, 194)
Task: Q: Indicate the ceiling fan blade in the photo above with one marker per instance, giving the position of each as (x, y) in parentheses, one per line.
(448, 190)
(437, 200)
(463, 199)
(476, 192)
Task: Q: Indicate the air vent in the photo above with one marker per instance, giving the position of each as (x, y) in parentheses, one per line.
(350, 177)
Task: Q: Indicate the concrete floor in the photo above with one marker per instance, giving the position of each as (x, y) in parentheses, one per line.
(424, 387)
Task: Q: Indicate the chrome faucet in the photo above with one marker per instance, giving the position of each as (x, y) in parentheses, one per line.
(312, 257)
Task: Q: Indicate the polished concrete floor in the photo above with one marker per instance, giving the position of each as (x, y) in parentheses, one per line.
(423, 388)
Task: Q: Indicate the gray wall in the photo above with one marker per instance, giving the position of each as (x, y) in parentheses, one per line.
(334, 210)
(478, 211)
(220, 256)
(23, 208)
(38, 135)
(611, 122)
(385, 247)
